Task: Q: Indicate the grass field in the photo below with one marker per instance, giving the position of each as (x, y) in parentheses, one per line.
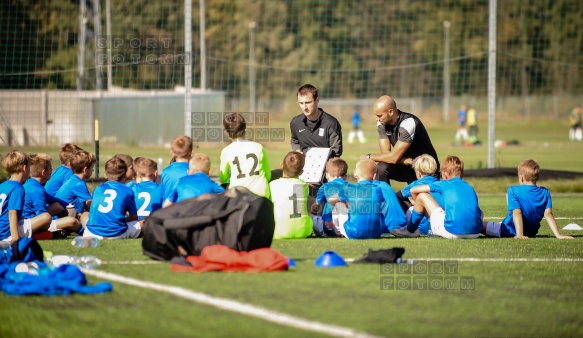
(525, 288)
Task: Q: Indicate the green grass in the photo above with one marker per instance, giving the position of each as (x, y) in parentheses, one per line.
(509, 298)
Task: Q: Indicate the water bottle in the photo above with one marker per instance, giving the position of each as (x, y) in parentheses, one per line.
(85, 262)
(71, 210)
(30, 268)
(85, 242)
(431, 234)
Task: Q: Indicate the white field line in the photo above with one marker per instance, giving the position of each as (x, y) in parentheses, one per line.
(234, 306)
(470, 259)
(133, 262)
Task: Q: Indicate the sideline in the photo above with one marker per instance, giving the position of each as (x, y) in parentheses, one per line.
(234, 306)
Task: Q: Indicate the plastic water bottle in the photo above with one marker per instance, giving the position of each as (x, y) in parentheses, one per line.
(30, 268)
(71, 210)
(85, 262)
(85, 242)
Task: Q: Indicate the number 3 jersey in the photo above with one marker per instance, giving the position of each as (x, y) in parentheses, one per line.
(244, 164)
(290, 208)
(107, 216)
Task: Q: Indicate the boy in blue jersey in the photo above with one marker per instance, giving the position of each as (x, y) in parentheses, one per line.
(147, 193)
(181, 153)
(457, 215)
(113, 212)
(425, 167)
(130, 173)
(196, 183)
(332, 215)
(74, 191)
(12, 225)
(527, 205)
(63, 172)
(393, 214)
(36, 199)
(365, 201)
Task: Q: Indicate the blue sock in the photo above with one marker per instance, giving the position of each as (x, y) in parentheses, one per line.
(416, 219)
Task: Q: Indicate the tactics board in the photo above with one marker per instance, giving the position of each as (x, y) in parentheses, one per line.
(315, 165)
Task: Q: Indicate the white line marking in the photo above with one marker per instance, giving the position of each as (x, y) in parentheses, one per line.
(234, 306)
(470, 259)
(132, 262)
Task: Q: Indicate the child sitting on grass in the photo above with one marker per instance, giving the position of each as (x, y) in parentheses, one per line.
(527, 205)
(196, 183)
(112, 201)
(147, 193)
(181, 153)
(425, 167)
(332, 215)
(290, 203)
(365, 202)
(64, 171)
(456, 215)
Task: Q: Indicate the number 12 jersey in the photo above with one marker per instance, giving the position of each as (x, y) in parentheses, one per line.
(244, 164)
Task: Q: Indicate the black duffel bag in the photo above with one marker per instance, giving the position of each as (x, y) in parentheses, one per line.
(237, 219)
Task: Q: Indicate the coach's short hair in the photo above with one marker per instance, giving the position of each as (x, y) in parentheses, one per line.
(336, 167)
(14, 161)
(67, 152)
(182, 146)
(425, 165)
(82, 159)
(115, 169)
(38, 163)
(293, 164)
(235, 125)
(199, 163)
(144, 166)
(530, 170)
(308, 88)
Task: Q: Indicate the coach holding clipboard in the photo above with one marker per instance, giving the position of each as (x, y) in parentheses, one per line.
(402, 137)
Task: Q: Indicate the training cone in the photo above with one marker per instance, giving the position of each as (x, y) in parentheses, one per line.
(330, 259)
(572, 226)
(290, 262)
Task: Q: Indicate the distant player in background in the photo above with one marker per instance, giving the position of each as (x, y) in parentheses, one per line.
(472, 124)
(356, 128)
(575, 120)
(461, 134)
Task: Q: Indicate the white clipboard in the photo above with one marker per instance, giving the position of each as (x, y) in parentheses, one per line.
(315, 165)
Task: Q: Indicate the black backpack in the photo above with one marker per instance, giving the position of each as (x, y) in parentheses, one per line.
(237, 219)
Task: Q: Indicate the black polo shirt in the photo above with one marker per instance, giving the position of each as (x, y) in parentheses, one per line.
(325, 132)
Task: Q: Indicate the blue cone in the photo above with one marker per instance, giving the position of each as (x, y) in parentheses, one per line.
(290, 262)
(330, 259)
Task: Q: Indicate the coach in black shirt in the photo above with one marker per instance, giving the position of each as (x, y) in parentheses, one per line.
(402, 137)
(315, 127)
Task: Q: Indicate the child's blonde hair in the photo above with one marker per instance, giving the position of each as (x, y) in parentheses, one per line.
(182, 147)
(199, 163)
(530, 170)
(365, 169)
(425, 165)
(145, 167)
(336, 167)
(38, 163)
(14, 161)
(452, 166)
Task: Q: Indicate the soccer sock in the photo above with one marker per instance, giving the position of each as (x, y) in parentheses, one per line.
(416, 219)
(53, 226)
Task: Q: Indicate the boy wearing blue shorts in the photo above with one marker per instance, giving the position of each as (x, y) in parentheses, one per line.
(425, 167)
(112, 201)
(364, 200)
(12, 225)
(196, 183)
(527, 205)
(457, 214)
(147, 193)
(64, 171)
(181, 153)
(74, 191)
(36, 198)
(243, 163)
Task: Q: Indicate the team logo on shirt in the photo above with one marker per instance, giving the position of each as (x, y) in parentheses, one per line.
(321, 132)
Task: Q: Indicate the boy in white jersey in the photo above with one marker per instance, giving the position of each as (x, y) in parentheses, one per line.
(243, 163)
(290, 204)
